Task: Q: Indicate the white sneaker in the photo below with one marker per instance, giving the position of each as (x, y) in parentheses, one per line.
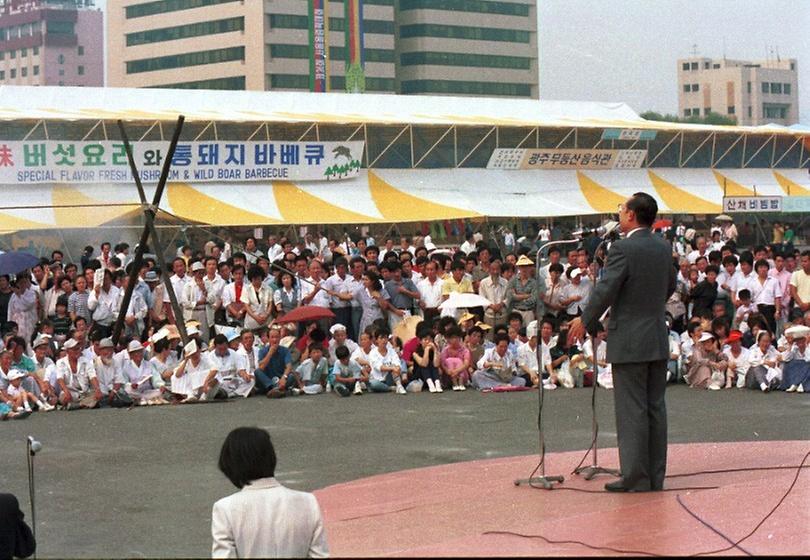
(296, 391)
(549, 386)
(438, 385)
(456, 388)
(328, 387)
(358, 389)
(431, 386)
(714, 387)
(791, 389)
(764, 387)
(462, 387)
(401, 390)
(800, 389)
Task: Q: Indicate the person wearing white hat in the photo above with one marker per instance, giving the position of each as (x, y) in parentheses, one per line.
(796, 367)
(189, 379)
(76, 377)
(527, 363)
(524, 289)
(707, 366)
(18, 397)
(339, 338)
(110, 379)
(44, 369)
(142, 381)
(575, 294)
(196, 300)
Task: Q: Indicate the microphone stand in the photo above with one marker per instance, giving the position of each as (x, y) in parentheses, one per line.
(31, 452)
(544, 481)
(594, 469)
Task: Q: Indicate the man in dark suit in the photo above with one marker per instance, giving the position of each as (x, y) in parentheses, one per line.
(638, 279)
(16, 539)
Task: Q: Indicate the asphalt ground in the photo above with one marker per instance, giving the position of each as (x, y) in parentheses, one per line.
(141, 482)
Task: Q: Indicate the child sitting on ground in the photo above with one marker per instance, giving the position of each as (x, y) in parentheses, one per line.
(313, 371)
(347, 375)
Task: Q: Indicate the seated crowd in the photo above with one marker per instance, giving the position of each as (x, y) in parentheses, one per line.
(737, 319)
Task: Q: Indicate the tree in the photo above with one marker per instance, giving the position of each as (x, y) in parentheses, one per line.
(711, 118)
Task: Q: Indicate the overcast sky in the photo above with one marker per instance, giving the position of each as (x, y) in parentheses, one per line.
(626, 50)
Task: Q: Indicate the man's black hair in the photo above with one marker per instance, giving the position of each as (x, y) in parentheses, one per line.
(247, 455)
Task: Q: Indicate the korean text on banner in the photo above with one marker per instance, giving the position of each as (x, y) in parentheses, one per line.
(194, 162)
(738, 204)
(507, 158)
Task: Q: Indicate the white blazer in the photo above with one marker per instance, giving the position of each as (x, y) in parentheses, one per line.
(265, 519)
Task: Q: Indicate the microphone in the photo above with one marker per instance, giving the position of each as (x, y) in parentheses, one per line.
(34, 446)
(602, 231)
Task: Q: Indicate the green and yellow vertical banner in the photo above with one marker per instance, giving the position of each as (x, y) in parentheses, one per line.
(318, 46)
(355, 59)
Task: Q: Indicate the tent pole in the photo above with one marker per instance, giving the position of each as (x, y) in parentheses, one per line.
(149, 228)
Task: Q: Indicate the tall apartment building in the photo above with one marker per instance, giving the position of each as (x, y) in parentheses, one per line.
(51, 42)
(753, 93)
(466, 47)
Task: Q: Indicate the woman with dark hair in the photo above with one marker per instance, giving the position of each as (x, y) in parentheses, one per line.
(372, 298)
(287, 298)
(264, 519)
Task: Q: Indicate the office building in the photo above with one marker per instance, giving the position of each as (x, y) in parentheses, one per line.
(467, 47)
(51, 42)
(753, 93)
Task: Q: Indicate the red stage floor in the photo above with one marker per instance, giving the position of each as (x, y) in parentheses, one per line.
(451, 510)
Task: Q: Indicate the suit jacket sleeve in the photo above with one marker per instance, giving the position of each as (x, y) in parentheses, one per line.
(16, 539)
(606, 289)
(224, 545)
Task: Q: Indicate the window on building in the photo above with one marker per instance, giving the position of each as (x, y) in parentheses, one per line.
(61, 59)
(766, 87)
(60, 27)
(289, 81)
(24, 72)
(771, 111)
(186, 31)
(80, 70)
(2, 75)
(694, 66)
(685, 66)
(731, 110)
(716, 66)
(479, 6)
(188, 59)
(13, 73)
(234, 83)
(2, 55)
(164, 6)
(61, 83)
(464, 32)
(687, 88)
(23, 52)
(695, 87)
(786, 89)
(792, 65)
(36, 70)
(466, 87)
(81, 50)
(687, 112)
(468, 60)
(13, 54)
(36, 51)
(750, 111)
(61, 71)
(706, 111)
(776, 87)
(749, 87)
(706, 65)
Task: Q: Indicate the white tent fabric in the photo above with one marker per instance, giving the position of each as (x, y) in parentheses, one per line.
(74, 103)
(397, 196)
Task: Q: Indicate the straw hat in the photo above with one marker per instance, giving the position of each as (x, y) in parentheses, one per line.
(524, 261)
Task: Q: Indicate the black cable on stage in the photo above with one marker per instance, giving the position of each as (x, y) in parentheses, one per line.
(711, 527)
(734, 544)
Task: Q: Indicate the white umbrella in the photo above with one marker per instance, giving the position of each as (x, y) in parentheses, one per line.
(457, 300)
(724, 218)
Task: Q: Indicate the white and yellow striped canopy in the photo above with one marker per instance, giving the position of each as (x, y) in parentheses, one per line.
(385, 196)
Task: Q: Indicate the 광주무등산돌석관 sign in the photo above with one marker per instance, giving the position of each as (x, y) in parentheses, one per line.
(561, 158)
(54, 161)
